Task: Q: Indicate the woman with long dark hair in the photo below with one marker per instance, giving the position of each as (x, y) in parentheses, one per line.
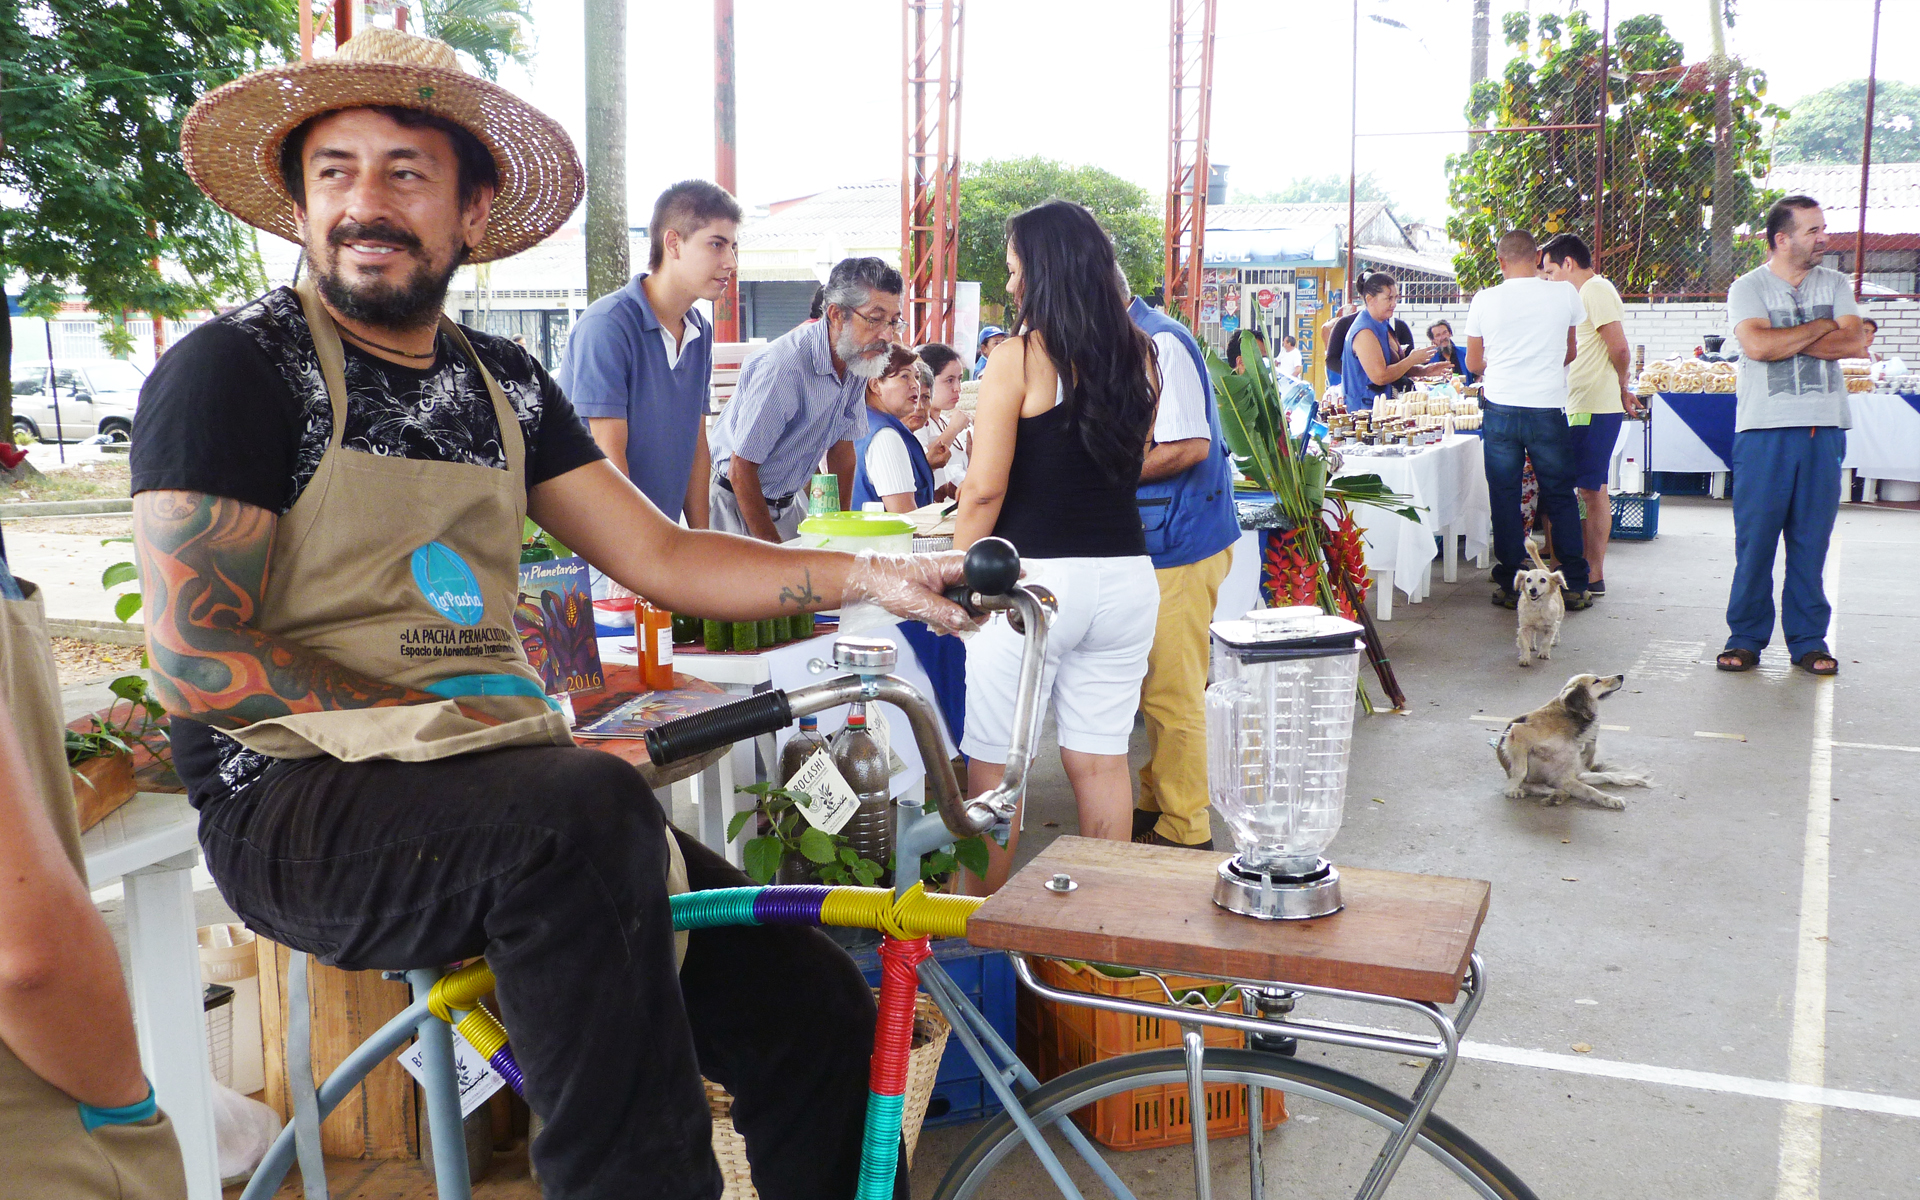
(1060, 432)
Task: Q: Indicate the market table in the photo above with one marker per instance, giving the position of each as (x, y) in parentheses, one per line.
(1693, 433)
(1448, 485)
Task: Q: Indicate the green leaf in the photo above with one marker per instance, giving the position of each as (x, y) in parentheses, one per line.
(112, 540)
(760, 858)
(119, 573)
(816, 845)
(972, 854)
(127, 605)
(936, 864)
(847, 855)
(866, 871)
(758, 789)
(131, 688)
(738, 823)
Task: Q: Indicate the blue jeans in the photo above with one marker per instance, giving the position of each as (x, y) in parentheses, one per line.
(1512, 436)
(1785, 482)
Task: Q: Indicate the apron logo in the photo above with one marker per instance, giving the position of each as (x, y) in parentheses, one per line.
(448, 584)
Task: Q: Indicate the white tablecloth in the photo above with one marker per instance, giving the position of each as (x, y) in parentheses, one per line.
(1448, 483)
(1884, 442)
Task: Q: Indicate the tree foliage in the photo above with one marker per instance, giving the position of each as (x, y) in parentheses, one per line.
(488, 31)
(1828, 126)
(1317, 189)
(1660, 154)
(995, 189)
(92, 98)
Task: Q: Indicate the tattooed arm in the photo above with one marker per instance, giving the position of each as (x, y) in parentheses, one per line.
(598, 513)
(203, 572)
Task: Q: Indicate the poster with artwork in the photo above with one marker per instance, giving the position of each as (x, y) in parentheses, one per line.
(553, 615)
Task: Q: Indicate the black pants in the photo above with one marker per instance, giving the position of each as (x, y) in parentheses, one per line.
(551, 862)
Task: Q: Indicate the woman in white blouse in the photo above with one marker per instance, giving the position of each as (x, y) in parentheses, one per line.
(948, 434)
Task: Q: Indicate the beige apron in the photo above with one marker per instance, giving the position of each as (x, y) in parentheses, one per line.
(44, 1149)
(406, 571)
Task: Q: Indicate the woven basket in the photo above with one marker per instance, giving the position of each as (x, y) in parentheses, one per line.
(930, 1032)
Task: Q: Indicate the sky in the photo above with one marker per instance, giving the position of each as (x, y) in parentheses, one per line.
(820, 94)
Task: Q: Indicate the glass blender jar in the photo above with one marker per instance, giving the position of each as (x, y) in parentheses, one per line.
(1279, 724)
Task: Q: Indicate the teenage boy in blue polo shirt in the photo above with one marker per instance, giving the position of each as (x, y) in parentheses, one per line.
(639, 364)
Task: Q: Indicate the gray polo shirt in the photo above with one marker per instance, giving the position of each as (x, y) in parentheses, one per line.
(1802, 390)
(787, 409)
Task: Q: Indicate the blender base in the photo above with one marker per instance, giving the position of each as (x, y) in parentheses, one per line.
(1278, 897)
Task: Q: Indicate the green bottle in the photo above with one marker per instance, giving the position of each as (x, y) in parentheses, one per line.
(685, 629)
(718, 636)
(746, 635)
(802, 625)
(767, 637)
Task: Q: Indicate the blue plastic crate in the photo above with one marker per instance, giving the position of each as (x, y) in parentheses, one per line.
(1636, 516)
(1680, 483)
(987, 979)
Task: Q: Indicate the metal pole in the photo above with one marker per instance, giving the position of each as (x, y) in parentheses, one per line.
(1600, 151)
(1353, 151)
(1866, 159)
(343, 12)
(606, 79)
(726, 310)
(53, 389)
(306, 30)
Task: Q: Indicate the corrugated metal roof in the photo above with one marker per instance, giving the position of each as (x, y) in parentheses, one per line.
(1292, 216)
(1893, 194)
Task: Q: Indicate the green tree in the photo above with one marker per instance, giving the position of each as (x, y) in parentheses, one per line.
(1317, 189)
(993, 190)
(92, 98)
(1828, 126)
(1657, 234)
(488, 31)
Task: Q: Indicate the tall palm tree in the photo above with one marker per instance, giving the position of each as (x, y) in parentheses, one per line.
(487, 31)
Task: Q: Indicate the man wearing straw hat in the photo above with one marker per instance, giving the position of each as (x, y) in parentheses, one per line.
(330, 487)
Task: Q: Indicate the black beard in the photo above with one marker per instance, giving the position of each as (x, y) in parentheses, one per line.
(414, 303)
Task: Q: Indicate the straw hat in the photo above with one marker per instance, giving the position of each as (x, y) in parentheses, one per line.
(231, 140)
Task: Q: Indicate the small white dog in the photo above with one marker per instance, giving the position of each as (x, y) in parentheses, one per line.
(1542, 607)
(1552, 751)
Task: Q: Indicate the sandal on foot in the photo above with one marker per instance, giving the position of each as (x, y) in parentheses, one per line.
(1737, 658)
(1818, 662)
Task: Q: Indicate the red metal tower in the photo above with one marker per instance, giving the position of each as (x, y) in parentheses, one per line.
(1189, 116)
(726, 310)
(930, 181)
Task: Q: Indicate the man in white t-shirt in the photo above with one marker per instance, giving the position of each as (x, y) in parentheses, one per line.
(1520, 338)
(1290, 357)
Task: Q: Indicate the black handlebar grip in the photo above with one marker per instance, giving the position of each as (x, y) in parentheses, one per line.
(992, 566)
(688, 736)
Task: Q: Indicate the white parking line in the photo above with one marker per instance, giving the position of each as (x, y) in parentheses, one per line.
(1706, 1081)
(1800, 1122)
(1873, 746)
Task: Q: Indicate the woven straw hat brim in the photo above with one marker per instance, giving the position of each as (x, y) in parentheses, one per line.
(231, 142)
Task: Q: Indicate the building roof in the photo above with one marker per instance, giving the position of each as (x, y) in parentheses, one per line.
(1893, 194)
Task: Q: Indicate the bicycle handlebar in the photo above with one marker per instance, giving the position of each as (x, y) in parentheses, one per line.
(993, 573)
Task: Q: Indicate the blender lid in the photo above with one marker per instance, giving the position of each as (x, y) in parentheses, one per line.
(1288, 634)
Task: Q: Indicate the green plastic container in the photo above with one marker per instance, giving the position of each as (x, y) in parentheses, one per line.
(768, 637)
(802, 625)
(746, 635)
(719, 637)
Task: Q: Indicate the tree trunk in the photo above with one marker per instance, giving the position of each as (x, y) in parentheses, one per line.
(1478, 56)
(1720, 233)
(6, 359)
(607, 266)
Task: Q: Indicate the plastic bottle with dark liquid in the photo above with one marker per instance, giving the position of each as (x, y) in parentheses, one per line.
(862, 762)
(801, 747)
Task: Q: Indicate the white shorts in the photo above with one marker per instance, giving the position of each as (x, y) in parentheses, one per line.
(1096, 658)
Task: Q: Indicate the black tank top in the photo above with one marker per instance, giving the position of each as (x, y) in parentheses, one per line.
(1059, 504)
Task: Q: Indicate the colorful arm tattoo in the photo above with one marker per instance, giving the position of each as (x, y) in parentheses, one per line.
(203, 571)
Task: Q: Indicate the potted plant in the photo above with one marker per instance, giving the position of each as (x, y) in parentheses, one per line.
(101, 755)
(788, 850)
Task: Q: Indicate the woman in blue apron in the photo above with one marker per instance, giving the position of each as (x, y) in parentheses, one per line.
(890, 465)
(1372, 362)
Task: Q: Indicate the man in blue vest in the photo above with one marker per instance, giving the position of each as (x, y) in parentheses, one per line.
(1186, 506)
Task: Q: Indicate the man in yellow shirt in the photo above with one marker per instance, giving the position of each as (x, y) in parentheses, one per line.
(1598, 398)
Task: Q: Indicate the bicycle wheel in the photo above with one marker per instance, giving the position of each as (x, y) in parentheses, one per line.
(1336, 1125)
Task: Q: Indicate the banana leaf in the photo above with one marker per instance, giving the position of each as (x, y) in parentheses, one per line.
(1372, 490)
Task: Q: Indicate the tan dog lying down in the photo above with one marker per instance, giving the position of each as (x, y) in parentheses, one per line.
(1550, 752)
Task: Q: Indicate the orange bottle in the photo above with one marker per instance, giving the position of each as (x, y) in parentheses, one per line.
(655, 629)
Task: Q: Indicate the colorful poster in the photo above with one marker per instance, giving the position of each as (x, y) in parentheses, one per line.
(554, 618)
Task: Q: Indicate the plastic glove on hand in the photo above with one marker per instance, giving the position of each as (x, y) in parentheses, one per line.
(909, 586)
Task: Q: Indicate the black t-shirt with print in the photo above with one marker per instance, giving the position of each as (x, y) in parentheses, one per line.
(238, 409)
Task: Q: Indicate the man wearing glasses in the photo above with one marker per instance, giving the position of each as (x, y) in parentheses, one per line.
(802, 399)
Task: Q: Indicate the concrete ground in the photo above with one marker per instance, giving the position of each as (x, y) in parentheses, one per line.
(1744, 924)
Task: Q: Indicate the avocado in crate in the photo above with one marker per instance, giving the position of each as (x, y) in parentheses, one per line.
(1057, 1038)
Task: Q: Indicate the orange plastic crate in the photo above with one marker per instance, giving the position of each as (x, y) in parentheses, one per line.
(1057, 1038)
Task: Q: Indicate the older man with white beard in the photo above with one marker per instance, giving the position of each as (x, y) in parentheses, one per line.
(804, 397)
